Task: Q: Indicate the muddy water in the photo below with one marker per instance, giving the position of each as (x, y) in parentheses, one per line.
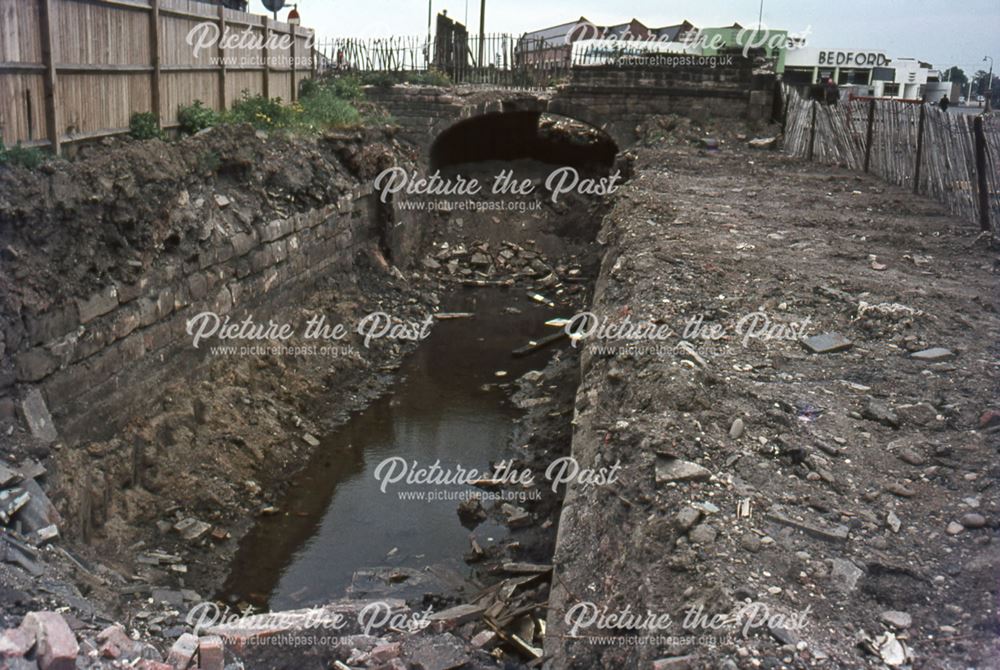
(335, 520)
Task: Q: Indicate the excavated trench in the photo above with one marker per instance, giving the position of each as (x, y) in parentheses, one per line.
(446, 408)
(345, 527)
(204, 481)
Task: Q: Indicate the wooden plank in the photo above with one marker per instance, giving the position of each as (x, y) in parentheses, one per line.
(295, 51)
(222, 62)
(266, 84)
(537, 345)
(118, 4)
(154, 55)
(87, 68)
(51, 96)
(983, 183)
(15, 68)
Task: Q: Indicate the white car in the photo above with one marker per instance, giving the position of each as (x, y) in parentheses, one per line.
(961, 100)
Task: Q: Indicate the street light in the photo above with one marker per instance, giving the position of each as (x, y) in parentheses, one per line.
(989, 84)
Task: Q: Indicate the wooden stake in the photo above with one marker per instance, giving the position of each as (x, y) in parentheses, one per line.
(51, 91)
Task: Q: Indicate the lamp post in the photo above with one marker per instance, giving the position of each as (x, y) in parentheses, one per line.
(989, 84)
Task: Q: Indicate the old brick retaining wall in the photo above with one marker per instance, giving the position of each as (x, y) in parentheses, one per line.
(82, 352)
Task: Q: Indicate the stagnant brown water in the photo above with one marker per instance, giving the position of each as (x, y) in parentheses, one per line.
(335, 519)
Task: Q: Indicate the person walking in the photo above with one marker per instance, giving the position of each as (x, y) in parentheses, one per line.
(831, 92)
(945, 103)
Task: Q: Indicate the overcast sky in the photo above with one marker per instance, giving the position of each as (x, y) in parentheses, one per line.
(941, 32)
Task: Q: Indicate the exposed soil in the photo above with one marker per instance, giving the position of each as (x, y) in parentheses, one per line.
(858, 484)
(887, 462)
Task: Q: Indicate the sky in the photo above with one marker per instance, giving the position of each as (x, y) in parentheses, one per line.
(939, 32)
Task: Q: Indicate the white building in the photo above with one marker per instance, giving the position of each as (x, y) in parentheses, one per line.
(861, 71)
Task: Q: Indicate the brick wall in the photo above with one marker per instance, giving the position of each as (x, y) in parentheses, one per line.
(81, 351)
(615, 99)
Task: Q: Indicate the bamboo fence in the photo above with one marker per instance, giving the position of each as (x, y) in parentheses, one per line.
(496, 60)
(953, 158)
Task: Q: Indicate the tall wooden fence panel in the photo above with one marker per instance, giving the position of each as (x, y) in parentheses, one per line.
(953, 158)
(72, 70)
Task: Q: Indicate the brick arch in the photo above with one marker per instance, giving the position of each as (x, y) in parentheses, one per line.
(504, 129)
(613, 99)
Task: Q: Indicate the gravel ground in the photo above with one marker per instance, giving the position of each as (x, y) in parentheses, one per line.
(853, 490)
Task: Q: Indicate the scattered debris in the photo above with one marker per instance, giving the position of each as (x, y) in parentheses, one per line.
(827, 343)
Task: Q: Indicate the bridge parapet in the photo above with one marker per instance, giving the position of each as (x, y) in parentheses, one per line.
(613, 98)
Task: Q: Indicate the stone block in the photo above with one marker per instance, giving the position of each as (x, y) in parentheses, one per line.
(53, 324)
(37, 416)
(98, 304)
(35, 364)
(197, 285)
(242, 243)
(129, 292)
(125, 321)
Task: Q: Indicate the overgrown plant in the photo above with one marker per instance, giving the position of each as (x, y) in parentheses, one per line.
(196, 117)
(260, 112)
(21, 156)
(325, 107)
(386, 79)
(143, 126)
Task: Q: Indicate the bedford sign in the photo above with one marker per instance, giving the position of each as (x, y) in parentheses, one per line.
(853, 59)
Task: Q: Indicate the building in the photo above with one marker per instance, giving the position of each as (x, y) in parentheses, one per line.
(548, 46)
(771, 44)
(558, 45)
(860, 71)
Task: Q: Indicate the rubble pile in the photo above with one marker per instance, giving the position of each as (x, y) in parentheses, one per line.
(508, 264)
(30, 521)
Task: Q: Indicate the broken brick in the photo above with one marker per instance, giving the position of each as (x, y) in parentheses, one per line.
(182, 651)
(56, 646)
(210, 653)
(16, 642)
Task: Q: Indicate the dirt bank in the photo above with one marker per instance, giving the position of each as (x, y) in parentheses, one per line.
(154, 499)
(855, 489)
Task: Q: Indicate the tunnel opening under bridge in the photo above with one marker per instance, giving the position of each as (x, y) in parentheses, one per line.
(508, 136)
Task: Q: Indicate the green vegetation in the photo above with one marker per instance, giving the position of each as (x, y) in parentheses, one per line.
(325, 107)
(17, 155)
(260, 112)
(387, 79)
(321, 105)
(196, 117)
(209, 162)
(143, 126)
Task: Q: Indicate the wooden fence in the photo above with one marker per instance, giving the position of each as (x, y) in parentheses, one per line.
(73, 70)
(954, 158)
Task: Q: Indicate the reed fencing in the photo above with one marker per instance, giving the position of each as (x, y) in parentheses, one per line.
(951, 157)
(496, 60)
(73, 70)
